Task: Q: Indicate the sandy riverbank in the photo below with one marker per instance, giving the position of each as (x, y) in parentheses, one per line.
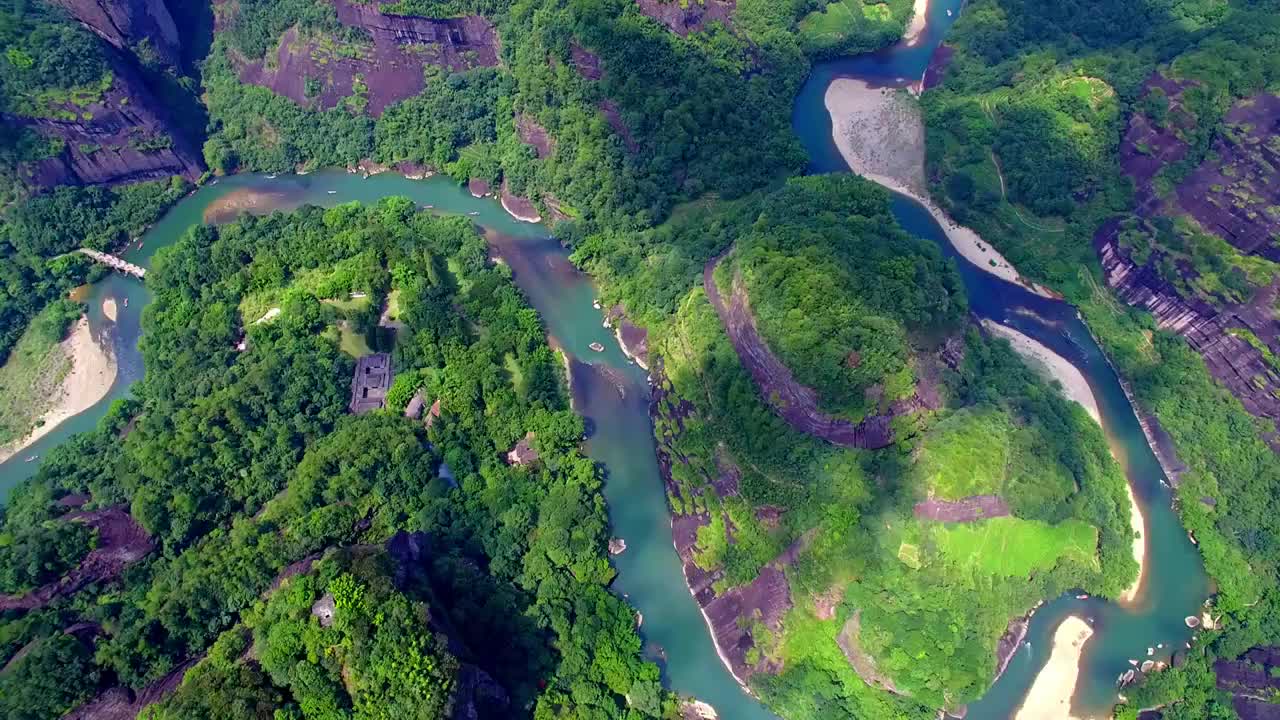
(880, 134)
(919, 21)
(1139, 525)
(93, 370)
(1050, 694)
(109, 310)
(1074, 385)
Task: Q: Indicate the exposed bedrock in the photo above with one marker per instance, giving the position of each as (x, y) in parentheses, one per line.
(731, 614)
(1251, 682)
(683, 18)
(121, 542)
(389, 69)
(127, 23)
(1239, 366)
(1233, 193)
(127, 136)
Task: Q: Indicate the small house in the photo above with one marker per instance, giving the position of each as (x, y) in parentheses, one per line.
(523, 452)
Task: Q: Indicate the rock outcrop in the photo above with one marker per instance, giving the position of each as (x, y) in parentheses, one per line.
(127, 24)
(1235, 194)
(1251, 682)
(384, 71)
(126, 136)
(1215, 334)
(682, 17)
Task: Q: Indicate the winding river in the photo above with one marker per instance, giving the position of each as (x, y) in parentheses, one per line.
(612, 393)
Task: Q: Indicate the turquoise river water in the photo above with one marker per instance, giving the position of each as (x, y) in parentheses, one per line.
(612, 393)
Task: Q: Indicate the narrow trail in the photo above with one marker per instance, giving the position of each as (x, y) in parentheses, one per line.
(792, 401)
(1005, 197)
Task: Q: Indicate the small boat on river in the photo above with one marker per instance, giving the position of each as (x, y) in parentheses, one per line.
(31, 458)
(596, 346)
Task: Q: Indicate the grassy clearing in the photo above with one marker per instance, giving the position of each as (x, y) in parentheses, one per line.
(833, 22)
(1012, 547)
(352, 342)
(351, 304)
(30, 378)
(518, 381)
(966, 454)
(333, 285)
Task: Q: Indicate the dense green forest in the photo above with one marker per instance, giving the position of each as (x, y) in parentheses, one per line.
(242, 463)
(870, 566)
(518, 574)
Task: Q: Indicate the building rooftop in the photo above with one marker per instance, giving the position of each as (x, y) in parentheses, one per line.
(371, 382)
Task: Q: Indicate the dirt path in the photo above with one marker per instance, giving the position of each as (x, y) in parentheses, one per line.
(1005, 197)
(795, 403)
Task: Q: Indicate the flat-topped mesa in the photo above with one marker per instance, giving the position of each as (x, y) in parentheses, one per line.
(791, 400)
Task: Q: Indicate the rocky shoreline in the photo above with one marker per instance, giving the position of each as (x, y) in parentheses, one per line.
(769, 594)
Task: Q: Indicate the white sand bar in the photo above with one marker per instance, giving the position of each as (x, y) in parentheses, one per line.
(919, 21)
(1139, 525)
(880, 134)
(93, 370)
(1074, 385)
(1050, 694)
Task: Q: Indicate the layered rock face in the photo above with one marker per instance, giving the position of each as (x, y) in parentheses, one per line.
(1239, 366)
(128, 23)
(1250, 681)
(127, 136)
(1231, 194)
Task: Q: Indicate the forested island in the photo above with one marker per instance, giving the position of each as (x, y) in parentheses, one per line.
(869, 490)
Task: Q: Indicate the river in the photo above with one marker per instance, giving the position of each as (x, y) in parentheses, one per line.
(612, 393)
